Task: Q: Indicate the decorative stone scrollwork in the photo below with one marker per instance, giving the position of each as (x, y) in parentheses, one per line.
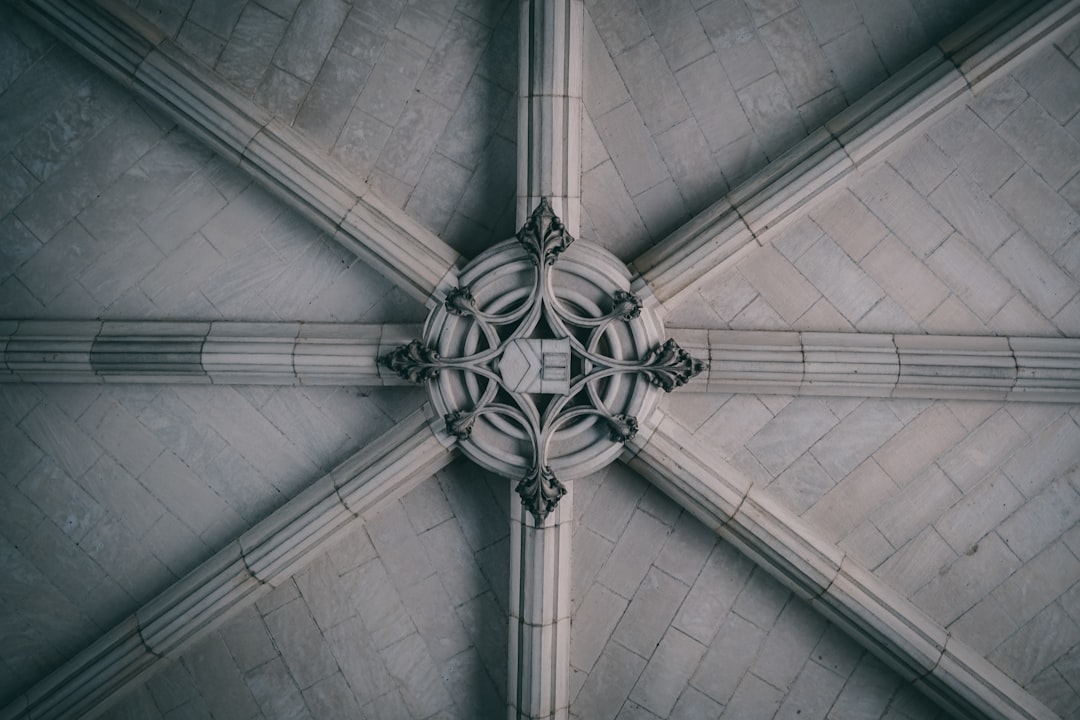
(542, 361)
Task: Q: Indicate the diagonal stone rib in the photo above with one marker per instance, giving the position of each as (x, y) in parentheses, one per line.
(283, 353)
(246, 569)
(857, 139)
(935, 367)
(955, 676)
(111, 36)
(549, 109)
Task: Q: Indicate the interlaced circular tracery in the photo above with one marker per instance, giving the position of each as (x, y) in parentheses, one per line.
(542, 360)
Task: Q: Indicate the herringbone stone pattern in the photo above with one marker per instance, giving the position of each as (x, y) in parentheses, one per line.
(403, 618)
(417, 97)
(671, 622)
(686, 98)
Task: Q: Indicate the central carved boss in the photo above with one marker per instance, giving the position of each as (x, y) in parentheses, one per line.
(542, 360)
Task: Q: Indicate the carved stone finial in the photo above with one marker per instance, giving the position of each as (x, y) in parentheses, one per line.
(414, 362)
(540, 492)
(460, 301)
(543, 235)
(622, 428)
(459, 424)
(625, 305)
(669, 366)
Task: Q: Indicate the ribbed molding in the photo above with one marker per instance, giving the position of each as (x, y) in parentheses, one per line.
(860, 137)
(958, 367)
(549, 109)
(897, 631)
(114, 38)
(234, 578)
(199, 352)
(539, 641)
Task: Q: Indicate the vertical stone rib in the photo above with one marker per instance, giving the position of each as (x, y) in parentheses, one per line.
(539, 640)
(549, 109)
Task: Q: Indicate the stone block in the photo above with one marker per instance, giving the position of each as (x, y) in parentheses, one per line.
(1036, 645)
(1040, 211)
(793, 431)
(857, 436)
(1042, 519)
(1038, 583)
(797, 53)
(666, 674)
(1046, 146)
(779, 282)
(839, 279)
(713, 594)
(301, 644)
(979, 152)
(771, 112)
(633, 554)
(914, 564)
(687, 549)
(594, 622)
(650, 612)
(1037, 276)
(973, 213)
(360, 663)
(979, 512)
(219, 679)
(850, 500)
(967, 580)
(788, 645)
(614, 502)
(678, 33)
(409, 663)
(273, 688)
(610, 682)
(919, 505)
(970, 276)
(802, 484)
(52, 431)
(904, 211)
(1050, 454)
(652, 86)
(251, 46)
(754, 698)
(121, 434)
(632, 149)
(905, 278)
(813, 693)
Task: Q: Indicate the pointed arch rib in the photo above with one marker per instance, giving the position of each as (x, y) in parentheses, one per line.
(959, 679)
(111, 36)
(262, 558)
(935, 367)
(857, 139)
(283, 353)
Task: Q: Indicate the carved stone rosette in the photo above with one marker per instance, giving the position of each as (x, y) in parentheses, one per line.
(542, 360)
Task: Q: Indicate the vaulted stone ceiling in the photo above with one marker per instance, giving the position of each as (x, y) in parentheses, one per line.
(112, 493)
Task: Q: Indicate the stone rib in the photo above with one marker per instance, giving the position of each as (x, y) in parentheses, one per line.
(262, 558)
(854, 141)
(111, 36)
(850, 596)
(549, 109)
(198, 352)
(936, 367)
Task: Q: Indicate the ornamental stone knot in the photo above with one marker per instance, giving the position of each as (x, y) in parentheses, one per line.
(542, 361)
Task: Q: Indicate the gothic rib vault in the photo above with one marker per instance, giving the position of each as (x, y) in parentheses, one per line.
(1029, 368)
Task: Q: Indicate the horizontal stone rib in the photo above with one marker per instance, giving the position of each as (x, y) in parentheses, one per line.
(199, 352)
(881, 365)
(857, 139)
(117, 40)
(236, 576)
(852, 597)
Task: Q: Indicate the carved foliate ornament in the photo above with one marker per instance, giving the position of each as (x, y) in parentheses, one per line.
(541, 362)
